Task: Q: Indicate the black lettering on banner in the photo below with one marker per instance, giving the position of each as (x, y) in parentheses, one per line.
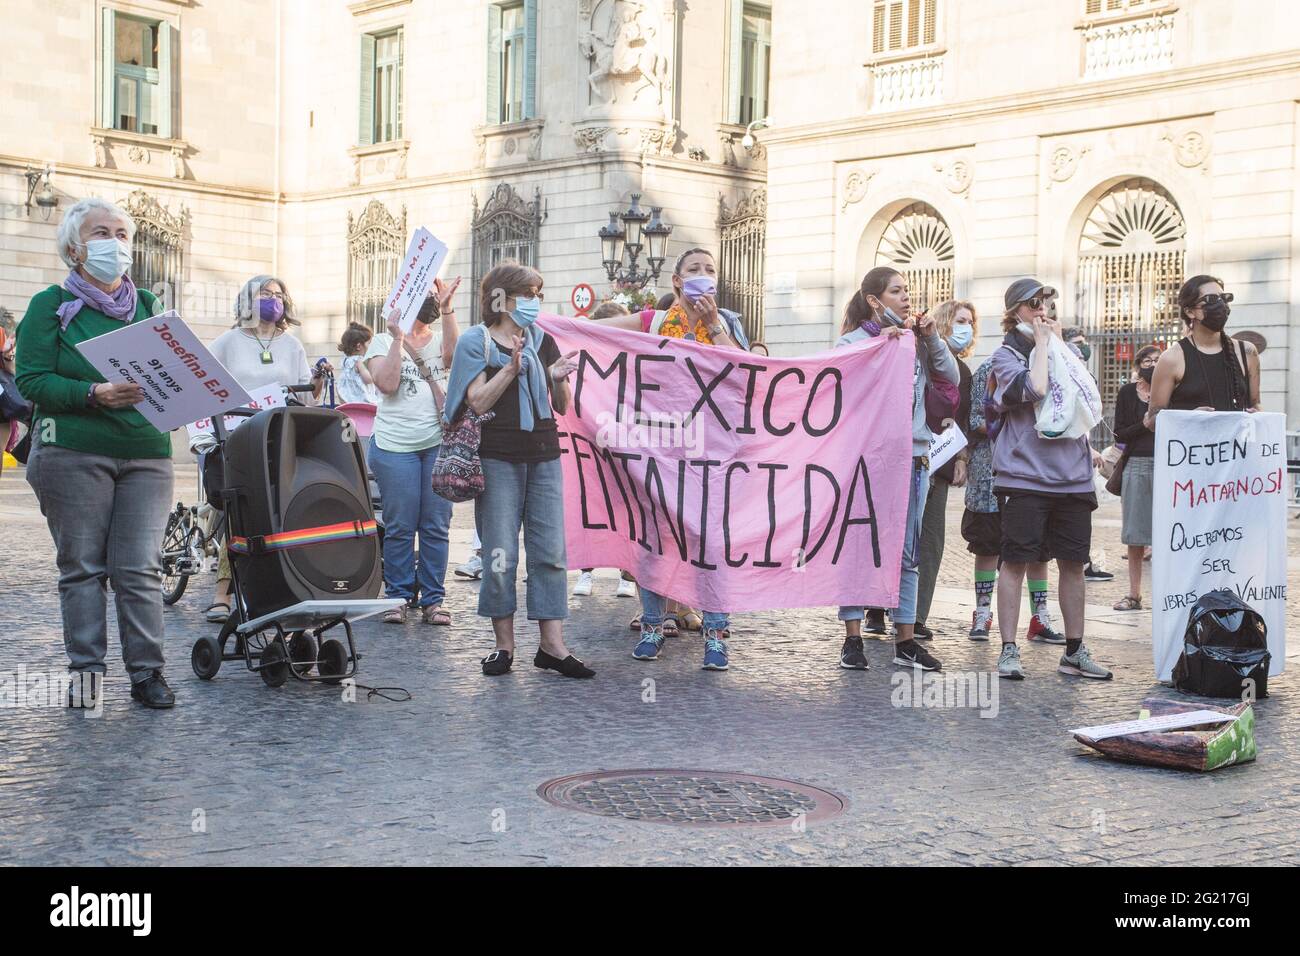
(578, 458)
(618, 365)
(750, 386)
(608, 459)
(771, 468)
(623, 458)
(831, 372)
(640, 386)
(704, 463)
(706, 392)
(808, 511)
(860, 469)
(771, 396)
(726, 517)
(678, 531)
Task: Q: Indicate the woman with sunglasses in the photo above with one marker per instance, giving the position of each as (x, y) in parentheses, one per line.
(1139, 467)
(1209, 371)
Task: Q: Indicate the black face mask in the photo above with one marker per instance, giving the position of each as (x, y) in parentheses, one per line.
(1216, 316)
(1145, 374)
(428, 313)
(1085, 350)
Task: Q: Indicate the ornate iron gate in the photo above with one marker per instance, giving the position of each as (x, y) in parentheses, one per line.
(742, 235)
(506, 227)
(376, 244)
(1132, 260)
(156, 251)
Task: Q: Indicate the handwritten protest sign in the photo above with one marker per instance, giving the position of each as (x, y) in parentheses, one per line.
(182, 382)
(415, 276)
(1219, 521)
(733, 481)
(268, 396)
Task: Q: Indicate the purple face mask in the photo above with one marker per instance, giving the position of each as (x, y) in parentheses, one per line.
(696, 286)
(270, 310)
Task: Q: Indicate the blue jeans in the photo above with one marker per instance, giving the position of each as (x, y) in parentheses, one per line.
(652, 612)
(410, 507)
(905, 613)
(528, 495)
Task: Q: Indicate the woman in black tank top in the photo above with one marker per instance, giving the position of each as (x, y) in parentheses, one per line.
(1208, 370)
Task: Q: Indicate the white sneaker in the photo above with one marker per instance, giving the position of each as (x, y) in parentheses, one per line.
(626, 588)
(583, 587)
(472, 569)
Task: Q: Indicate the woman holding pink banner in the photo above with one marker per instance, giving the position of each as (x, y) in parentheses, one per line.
(881, 307)
(694, 314)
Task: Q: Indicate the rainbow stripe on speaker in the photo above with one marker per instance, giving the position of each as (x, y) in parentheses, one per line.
(305, 536)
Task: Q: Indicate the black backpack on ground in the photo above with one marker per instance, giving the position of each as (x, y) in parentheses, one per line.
(1225, 644)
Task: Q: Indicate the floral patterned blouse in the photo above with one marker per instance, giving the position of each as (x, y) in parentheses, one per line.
(979, 473)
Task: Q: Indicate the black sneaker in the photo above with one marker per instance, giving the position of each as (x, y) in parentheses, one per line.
(1096, 574)
(875, 622)
(921, 632)
(852, 657)
(153, 692)
(915, 656)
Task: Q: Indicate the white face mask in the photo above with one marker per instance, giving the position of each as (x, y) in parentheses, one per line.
(1024, 328)
(107, 259)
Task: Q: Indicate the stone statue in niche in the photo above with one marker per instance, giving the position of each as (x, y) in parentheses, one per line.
(621, 44)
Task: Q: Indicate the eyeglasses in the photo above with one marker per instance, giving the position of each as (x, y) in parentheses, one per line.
(1214, 298)
(268, 294)
(1037, 302)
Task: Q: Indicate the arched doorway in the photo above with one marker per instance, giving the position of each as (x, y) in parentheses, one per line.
(919, 244)
(1132, 259)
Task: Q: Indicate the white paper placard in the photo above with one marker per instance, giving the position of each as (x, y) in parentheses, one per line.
(1218, 521)
(267, 396)
(182, 381)
(944, 446)
(1151, 724)
(423, 260)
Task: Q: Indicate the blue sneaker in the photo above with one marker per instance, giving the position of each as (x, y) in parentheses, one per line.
(715, 652)
(651, 643)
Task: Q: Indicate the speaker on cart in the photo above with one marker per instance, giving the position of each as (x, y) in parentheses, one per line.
(299, 469)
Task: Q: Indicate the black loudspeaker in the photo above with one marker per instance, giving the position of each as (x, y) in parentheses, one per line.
(291, 469)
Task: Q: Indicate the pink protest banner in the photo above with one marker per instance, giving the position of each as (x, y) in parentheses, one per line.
(733, 481)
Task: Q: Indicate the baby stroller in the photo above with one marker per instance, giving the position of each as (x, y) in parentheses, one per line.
(301, 534)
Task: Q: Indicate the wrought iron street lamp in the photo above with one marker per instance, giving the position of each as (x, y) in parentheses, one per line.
(638, 232)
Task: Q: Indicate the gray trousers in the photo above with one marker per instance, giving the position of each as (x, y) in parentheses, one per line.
(932, 535)
(107, 517)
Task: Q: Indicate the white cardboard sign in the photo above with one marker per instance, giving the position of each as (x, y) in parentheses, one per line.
(1218, 521)
(268, 396)
(415, 277)
(1146, 725)
(945, 445)
(182, 381)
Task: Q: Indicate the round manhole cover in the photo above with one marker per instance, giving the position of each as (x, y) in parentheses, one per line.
(696, 798)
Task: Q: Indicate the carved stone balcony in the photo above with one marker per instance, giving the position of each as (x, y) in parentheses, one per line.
(907, 82)
(1125, 47)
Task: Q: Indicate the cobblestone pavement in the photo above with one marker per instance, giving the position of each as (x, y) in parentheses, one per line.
(242, 774)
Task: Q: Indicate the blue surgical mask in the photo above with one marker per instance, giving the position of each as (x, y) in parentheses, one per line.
(526, 310)
(892, 317)
(696, 286)
(960, 338)
(107, 259)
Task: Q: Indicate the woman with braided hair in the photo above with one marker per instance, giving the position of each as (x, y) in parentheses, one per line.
(1209, 371)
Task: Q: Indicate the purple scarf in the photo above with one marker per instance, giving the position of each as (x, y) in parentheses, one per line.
(120, 305)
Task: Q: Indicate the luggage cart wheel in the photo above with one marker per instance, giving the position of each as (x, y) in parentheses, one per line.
(302, 652)
(205, 657)
(333, 661)
(275, 664)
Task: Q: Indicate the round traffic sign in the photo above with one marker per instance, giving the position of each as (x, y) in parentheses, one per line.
(583, 298)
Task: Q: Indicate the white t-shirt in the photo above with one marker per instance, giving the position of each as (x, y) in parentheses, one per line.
(241, 354)
(351, 386)
(407, 419)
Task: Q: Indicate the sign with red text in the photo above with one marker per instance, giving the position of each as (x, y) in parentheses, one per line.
(1219, 521)
(182, 381)
(415, 277)
(266, 396)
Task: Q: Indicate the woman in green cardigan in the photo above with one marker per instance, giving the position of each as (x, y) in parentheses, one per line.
(101, 472)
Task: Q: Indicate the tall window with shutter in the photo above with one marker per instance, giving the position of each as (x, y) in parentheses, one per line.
(1095, 8)
(381, 87)
(751, 68)
(901, 25)
(136, 74)
(512, 62)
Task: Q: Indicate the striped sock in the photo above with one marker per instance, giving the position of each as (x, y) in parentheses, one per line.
(984, 581)
(1038, 600)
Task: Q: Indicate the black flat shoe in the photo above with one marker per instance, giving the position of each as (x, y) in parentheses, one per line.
(569, 667)
(153, 692)
(497, 663)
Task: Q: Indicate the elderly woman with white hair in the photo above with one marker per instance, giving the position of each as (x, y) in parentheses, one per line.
(260, 351)
(101, 472)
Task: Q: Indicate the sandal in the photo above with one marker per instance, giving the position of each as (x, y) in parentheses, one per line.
(436, 616)
(636, 623)
(214, 616)
(396, 615)
(1129, 604)
(670, 625)
(691, 621)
